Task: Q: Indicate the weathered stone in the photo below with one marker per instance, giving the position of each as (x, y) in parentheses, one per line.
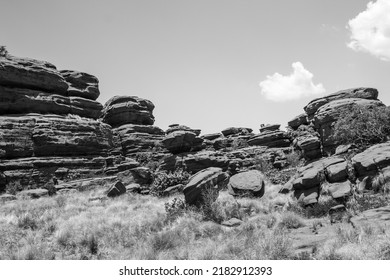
(209, 180)
(298, 120)
(182, 141)
(308, 196)
(173, 189)
(372, 159)
(270, 139)
(269, 127)
(250, 183)
(35, 193)
(133, 187)
(121, 110)
(212, 136)
(342, 189)
(364, 93)
(310, 146)
(22, 101)
(31, 74)
(43, 135)
(135, 138)
(116, 189)
(337, 172)
(178, 127)
(236, 130)
(81, 84)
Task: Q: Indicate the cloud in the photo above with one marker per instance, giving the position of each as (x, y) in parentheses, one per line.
(370, 30)
(298, 84)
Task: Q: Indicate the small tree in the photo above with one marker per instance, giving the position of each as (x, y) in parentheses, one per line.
(362, 126)
(3, 51)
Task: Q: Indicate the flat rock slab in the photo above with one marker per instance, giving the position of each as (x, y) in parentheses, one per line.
(249, 182)
(35, 193)
(379, 217)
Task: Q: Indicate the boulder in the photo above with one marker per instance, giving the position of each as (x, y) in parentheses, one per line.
(116, 189)
(31, 74)
(250, 183)
(339, 190)
(81, 84)
(327, 114)
(233, 222)
(310, 146)
(178, 127)
(182, 141)
(362, 93)
(298, 121)
(236, 130)
(121, 110)
(370, 161)
(207, 182)
(212, 136)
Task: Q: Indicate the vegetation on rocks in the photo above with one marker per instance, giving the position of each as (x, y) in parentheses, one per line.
(163, 180)
(362, 126)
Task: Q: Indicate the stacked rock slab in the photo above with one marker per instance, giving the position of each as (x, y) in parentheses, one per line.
(132, 120)
(270, 136)
(339, 175)
(229, 138)
(181, 139)
(322, 113)
(49, 128)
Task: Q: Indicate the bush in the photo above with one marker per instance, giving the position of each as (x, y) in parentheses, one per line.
(13, 187)
(163, 180)
(175, 208)
(3, 51)
(362, 126)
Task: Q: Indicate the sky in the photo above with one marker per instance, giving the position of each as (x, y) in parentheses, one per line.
(210, 64)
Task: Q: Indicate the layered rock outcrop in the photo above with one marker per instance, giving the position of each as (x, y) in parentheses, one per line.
(320, 116)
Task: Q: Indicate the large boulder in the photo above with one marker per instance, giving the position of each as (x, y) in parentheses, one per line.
(81, 84)
(205, 185)
(373, 159)
(31, 74)
(121, 110)
(182, 141)
(250, 183)
(298, 121)
(361, 93)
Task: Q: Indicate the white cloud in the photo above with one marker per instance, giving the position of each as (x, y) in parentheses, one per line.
(294, 86)
(370, 30)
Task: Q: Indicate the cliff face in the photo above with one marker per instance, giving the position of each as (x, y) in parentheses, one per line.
(52, 126)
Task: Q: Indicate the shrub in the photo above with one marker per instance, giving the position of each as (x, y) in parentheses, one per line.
(163, 180)
(290, 221)
(362, 126)
(3, 51)
(175, 208)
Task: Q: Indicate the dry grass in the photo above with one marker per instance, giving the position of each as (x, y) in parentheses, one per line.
(72, 226)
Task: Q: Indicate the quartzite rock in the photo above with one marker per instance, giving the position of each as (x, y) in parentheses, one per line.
(370, 161)
(23, 101)
(31, 74)
(81, 84)
(44, 135)
(121, 110)
(364, 93)
(236, 130)
(182, 141)
(298, 121)
(247, 183)
(208, 180)
(270, 139)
